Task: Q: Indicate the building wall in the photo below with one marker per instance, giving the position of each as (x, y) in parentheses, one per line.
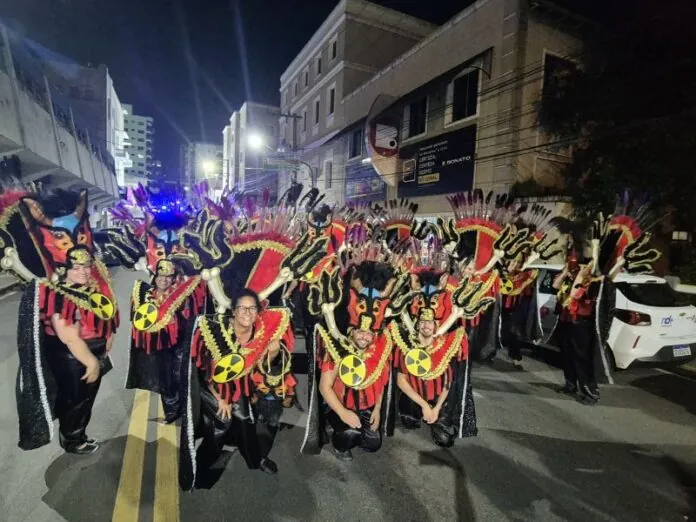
(202, 161)
(139, 145)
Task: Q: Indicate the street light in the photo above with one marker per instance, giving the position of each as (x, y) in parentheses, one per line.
(256, 141)
(208, 165)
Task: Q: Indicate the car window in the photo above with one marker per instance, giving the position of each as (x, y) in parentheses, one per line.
(546, 282)
(651, 294)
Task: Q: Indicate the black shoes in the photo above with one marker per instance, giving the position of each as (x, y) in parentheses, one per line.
(83, 449)
(268, 466)
(588, 401)
(343, 456)
(518, 365)
(567, 389)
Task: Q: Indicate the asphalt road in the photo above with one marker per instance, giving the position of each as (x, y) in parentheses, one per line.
(538, 457)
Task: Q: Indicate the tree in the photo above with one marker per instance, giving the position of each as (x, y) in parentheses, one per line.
(629, 110)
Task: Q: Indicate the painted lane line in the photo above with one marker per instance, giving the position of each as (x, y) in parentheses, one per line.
(166, 505)
(127, 506)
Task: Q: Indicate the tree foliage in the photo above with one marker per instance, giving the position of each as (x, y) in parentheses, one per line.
(629, 110)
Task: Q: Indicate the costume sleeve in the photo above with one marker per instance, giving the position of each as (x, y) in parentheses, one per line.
(52, 303)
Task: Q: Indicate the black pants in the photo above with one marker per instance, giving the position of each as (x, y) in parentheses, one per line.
(169, 369)
(443, 432)
(509, 332)
(75, 398)
(253, 436)
(576, 348)
(345, 438)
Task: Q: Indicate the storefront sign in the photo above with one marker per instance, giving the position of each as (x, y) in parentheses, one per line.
(364, 184)
(441, 165)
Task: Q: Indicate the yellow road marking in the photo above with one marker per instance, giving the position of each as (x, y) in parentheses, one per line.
(167, 473)
(127, 504)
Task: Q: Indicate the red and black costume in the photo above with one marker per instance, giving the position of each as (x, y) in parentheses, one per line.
(241, 375)
(430, 371)
(161, 323)
(48, 236)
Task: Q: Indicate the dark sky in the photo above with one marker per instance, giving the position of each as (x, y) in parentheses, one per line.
(159, 52)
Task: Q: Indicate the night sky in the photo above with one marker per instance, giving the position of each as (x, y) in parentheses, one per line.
(160, 52)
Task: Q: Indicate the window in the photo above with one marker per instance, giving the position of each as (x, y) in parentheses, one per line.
(462, 97)
(328, 173)
(294, 90)
(304, 120)
(415, 117)
(306, 77)
(318, 65)
(316, 111)
(284, 98)
(332, 99)
(557, 72)
(334, 48)
(356, 143)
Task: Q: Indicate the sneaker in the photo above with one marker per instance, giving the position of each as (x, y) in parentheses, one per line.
(268, 466)
(84, 449)
(343, 456)
(588, 401)
(567, 389)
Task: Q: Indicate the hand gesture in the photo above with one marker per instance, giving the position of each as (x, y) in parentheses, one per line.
(224, 410)
(374, 419)
(92, 371)
(428, 414)
(350, 418)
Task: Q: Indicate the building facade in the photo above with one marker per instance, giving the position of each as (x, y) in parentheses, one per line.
(43, 134)
(139, 145)
(355, 42)
(250, 136)
(456, 111)
(201, 161)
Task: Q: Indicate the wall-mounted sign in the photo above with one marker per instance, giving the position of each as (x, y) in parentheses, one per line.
(440, 165)
(364, 184)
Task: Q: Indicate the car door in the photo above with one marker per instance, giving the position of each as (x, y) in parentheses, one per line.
(546, 302)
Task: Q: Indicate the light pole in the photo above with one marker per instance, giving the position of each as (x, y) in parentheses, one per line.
(257, 142)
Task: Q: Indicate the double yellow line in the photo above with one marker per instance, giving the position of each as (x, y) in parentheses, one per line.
(128, 496)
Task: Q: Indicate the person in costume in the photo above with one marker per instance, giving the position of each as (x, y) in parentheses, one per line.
(239, 375)
(244, 359)
(618, 242)
(68, 316)
(425, 375)
(161, 314)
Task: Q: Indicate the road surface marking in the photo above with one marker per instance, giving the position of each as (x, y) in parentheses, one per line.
(127, 504)
(166, 505)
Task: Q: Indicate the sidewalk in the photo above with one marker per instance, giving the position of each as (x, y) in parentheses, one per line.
(8, 283)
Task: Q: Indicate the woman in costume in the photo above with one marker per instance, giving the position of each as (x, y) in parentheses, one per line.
(68, 316)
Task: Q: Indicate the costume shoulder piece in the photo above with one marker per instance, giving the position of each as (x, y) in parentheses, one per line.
(430, 362)
(358, 370)
(152, 314)
(231, 360)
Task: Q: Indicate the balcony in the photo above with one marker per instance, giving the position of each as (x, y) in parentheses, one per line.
(45, 134)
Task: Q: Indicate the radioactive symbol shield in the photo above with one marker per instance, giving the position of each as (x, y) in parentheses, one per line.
(228, 368)
(507, 286)
(418, 362)
(145, 316)
(102, 306)
(352, 370)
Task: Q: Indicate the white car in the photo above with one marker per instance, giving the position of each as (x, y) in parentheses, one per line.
(648, 323)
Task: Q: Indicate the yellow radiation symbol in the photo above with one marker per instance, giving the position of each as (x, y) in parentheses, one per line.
(352, 370)
(102, 306)
(507, 286)
(418, 362)
(228, 368)
(145, 316)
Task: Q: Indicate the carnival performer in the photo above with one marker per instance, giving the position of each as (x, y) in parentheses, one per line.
(162, 314)
(239, 376)
(354, 359)
(68, 317)
(596, 254)
(245, 360)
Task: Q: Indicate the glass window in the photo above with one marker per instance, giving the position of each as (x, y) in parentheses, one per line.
(319, 65)
(557, 71)
(304, 120)
(328, 173)
(651, 294)
(356, 143)
(334, 49)
(316, 112)
(417, 116)
(465, 96)
(332, 100)
(306, 78)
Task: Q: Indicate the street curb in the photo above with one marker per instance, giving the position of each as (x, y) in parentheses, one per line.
(4, 290)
